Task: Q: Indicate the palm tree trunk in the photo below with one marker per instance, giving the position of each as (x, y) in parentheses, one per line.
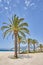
(15, 54)
(19, 48)
(34, 47)
(41, 49)
(28, 48)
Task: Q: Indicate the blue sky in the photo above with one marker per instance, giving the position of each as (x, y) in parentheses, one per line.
(31, 10)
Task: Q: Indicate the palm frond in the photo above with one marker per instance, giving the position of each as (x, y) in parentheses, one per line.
(16, 24)
(20, 20)
(22, 33)
(14, 18)
(34, 41)
(4, 27)
(23, 24)
(4, 23)
(21, 39)
(29, 40)
(10, 21)
(12, 35)
(25, 30)
(6, 32)
(15, 21)
(9, 25)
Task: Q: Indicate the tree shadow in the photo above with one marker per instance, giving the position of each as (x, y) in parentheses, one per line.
(12, 57)
(20, 56)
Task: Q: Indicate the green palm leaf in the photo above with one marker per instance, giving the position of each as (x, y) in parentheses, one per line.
(25, 30)
(22, 33)
(20, 20)
(6, 32)
(5, 23)
(34, 41)
(29, 40)
(10, 21)
(4, 27)
(23, 24)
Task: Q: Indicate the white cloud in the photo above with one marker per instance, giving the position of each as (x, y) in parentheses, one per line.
(25, 8)
(6, 8)
(27, 2)
(32, 4)
(34, 7)
(8, 2)
(0, 0)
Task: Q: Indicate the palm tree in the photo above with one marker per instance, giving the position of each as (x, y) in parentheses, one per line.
(41, 46)
(19, 41)
(34, 42)
(17, 26)
(29, 40)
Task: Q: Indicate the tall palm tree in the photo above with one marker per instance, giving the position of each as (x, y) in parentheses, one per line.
(34, 42)
(17, 26)
(29, 40)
